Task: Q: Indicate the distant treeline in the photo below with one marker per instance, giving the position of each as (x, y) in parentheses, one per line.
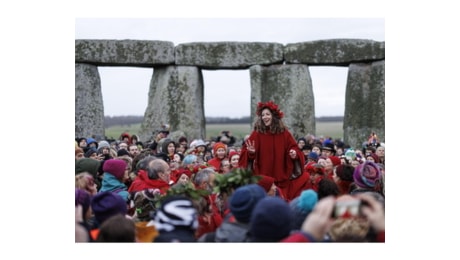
(131, 120)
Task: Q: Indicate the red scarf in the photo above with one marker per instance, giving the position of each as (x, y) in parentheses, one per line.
(143, 182)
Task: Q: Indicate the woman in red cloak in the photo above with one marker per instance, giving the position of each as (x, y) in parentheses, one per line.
(272, 150)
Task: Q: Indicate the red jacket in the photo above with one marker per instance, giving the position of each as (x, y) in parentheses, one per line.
(210, 221)
(272, 159)
(215, 162)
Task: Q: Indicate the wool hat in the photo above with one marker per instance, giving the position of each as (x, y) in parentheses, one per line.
(90, 140)
(231, 154)
(327, 142)
(185, 171)
(345, 172)
(315, 168)
(374, 156)
(106, 204)
(90, 152)
(266, 182)
(87, 165)
(123, 135)
(217, 146)
(329, 147)
(313, 156)
(243, 201)
(175, 212)
(196, 143)
(270, 220)
(116, 167)
(302, 206)
(367, 174)
(335, 160)
(122, 152)
(350, 154)
(82, 198)
(103, 144)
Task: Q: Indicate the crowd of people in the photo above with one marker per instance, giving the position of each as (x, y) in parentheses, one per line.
(269, 187)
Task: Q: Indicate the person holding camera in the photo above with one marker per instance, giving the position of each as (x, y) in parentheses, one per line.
(161, 134)
(319, 222)
(227, 138)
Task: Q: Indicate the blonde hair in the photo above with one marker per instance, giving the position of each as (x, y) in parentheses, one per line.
(82, 181)
(349, 230)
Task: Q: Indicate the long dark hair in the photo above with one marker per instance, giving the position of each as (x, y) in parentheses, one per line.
(276, 127)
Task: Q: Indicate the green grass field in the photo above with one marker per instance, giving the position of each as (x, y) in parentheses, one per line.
(333, 129)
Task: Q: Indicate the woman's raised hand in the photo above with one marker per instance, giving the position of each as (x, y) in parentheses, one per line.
(250, 146)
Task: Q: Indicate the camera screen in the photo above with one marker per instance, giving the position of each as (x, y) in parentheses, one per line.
(347, 209)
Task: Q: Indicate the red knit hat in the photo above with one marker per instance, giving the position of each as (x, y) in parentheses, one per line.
(219, 145)
(266, 182)
(231, 154)
(186, 172)
(345, 172)
(116, 167)
(315, 169)
(375, 157)
(335, 160)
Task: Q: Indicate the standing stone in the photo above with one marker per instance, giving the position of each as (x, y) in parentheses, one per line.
(89, 107)
(175, 98)
(364, 103)
(291, 88)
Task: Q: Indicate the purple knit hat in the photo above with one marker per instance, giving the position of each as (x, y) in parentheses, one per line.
(106, 204)
(367, 174)
(116, 167)
(82, 198)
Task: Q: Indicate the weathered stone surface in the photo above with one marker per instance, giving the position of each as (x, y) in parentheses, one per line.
(340, 52)
(291, 88)
(176, 92)
(89, 108)
(364, 103)
(175, 98)
(124, 52)
(228, 55)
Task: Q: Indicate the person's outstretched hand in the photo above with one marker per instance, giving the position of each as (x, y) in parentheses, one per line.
(251, 146)
(319, 221)
(292, 153)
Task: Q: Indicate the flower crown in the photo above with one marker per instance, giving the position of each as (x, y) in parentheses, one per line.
(270, 105)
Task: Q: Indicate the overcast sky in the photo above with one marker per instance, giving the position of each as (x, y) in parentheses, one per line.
(227, 92)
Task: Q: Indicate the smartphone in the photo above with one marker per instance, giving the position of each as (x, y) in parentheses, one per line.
(347, 208)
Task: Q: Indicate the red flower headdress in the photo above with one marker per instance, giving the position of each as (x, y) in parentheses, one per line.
(270, 105)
